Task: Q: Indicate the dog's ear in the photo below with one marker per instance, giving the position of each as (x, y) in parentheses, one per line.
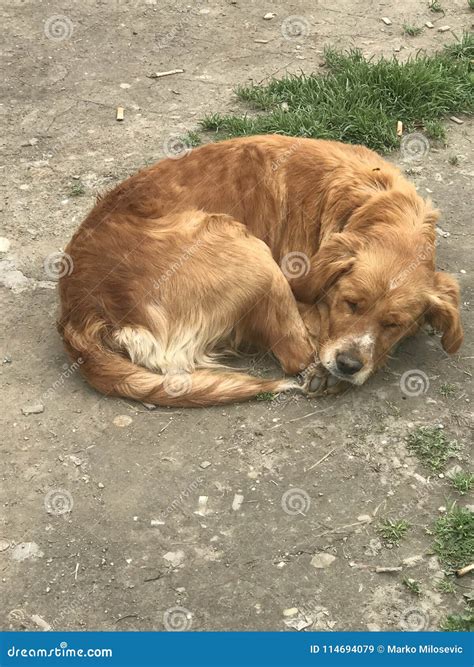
(335, 257)
(443, 311)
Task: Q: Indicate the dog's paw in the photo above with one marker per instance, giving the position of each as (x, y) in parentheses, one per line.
(319, 382)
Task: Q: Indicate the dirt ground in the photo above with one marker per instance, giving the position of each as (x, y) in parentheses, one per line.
(104, 522)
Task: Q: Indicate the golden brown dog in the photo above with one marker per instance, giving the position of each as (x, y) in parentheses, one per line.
(319, 251)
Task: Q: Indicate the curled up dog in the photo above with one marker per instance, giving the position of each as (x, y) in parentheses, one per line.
(327, 260)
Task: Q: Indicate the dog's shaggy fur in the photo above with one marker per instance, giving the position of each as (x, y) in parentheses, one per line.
(311, 249)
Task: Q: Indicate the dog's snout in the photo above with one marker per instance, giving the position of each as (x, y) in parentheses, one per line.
(348, 364)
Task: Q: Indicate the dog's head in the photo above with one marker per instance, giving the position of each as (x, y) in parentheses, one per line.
(378, 285)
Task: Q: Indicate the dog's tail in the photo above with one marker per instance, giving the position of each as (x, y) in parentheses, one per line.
(109, 371)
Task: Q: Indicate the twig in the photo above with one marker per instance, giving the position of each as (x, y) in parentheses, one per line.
(321, 460)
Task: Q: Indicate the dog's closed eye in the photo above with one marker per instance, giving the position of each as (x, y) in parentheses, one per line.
(352, 305)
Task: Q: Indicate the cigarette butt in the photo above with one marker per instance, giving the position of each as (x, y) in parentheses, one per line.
(120, 112)
(399, 128)
(456, 120)
(465, 570)
(158, 75)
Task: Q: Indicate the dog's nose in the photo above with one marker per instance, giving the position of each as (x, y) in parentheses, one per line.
(348, 365)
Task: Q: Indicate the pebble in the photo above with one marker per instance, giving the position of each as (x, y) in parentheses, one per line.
(386, 20)
(122, 421)
(4, 544)
(205, 464)
(268, 16)
(237, 502)
(292, 611)
(322, 560)
(456, 120)
(35, 408)
(4, 244)
(76, 460)
(100, 485)
(175, 558)
(428, 24)
(444, 28)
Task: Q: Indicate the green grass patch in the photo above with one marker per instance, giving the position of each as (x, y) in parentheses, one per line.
(393, 531)
(447, 389)
(77, 189)
(359, 100)
(460, 622)
(454, 538)
(432, 446)
(412, 585)
(412, 30)
(191, 139)
(436, 6)
(446, 586)
(265, 396)
(463, 482)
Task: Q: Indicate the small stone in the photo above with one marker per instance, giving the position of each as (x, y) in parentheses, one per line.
(76, 460)
(4, 545)
(237, 502)
(174, 558)
(122, 421)
(462, 271)
(205, 464)
(444, 28)
(442, 509)
(364, 518)
(100, 485)
(386, 20)
(268, 16)
(456, 120)
(292, 611)
(149, 406)
(35, 408)
(4, 244)
(125, 85)
(428, 24)
(322, 560)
